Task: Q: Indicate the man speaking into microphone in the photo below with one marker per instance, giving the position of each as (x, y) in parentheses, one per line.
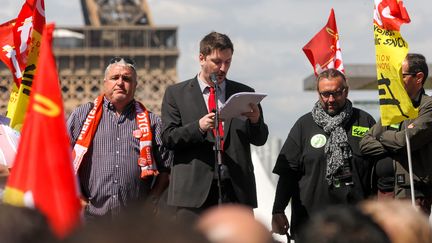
(188, 112)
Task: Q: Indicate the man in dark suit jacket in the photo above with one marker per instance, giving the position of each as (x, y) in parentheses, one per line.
(187, 129)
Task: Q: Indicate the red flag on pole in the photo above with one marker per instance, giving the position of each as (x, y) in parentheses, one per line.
(30, 19)
(323, 50)
(390, 14)
(27, 34)
(17, 40)
(8, 52)
(42, 176)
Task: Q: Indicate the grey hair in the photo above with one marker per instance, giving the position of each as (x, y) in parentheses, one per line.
(122, 62)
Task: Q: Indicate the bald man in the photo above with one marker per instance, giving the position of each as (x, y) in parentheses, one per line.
(233, 224)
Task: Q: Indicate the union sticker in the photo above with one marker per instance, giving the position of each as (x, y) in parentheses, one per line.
(358, 131)
(318, 140)
(137, 133)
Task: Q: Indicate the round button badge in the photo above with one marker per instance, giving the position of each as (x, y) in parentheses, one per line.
(137, 133)
(318, 140)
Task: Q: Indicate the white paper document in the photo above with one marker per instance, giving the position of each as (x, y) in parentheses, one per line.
(239, 103)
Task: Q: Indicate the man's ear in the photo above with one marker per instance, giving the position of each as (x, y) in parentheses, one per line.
(419, 77)
(201, 57)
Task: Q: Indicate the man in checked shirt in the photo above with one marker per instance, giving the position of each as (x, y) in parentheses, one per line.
(118, 152)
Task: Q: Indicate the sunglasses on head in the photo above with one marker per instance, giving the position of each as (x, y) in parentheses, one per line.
(125, 59)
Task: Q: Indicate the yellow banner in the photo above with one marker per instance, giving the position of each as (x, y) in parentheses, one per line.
(395, 104)
(19, 97)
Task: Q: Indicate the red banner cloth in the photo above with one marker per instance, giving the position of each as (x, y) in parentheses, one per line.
(323, 50)
(42, 175)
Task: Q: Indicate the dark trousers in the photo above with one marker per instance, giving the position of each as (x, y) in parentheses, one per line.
(191, 215)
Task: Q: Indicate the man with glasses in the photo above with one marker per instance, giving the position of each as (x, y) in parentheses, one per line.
(320, 162)
(390, 141)
(117, 148)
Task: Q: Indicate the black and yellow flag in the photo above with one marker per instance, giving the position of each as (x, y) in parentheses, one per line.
(390, 50)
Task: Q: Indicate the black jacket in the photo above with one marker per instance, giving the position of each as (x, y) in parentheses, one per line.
(302, 165)
(194, 161)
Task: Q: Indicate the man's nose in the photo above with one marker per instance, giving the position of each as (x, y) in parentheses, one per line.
(331, 98)
(224, 67)
(119, 81)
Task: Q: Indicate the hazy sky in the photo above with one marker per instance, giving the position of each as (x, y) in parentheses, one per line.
(268, 36)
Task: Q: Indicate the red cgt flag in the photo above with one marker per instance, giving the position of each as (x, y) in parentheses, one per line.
(8, 52)
(30, 19)
(390, 14)
(323, 50)
(17, 40)
(27, 34)
(42, 176)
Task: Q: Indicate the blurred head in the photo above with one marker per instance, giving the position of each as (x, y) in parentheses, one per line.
(414, 73)
(332, 91)
(340, 224)
(233, 224)
(22, 225)
(215, 56)
(137, 224)
(120, 81)
(400, 220)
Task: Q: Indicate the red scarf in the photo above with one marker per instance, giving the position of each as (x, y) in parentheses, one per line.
(145, 161)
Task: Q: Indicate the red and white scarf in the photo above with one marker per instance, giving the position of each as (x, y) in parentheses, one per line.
(144, 133)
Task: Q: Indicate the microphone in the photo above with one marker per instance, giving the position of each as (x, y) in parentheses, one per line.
(213, 77)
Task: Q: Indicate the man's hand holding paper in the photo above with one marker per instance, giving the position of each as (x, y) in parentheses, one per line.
(254, 114)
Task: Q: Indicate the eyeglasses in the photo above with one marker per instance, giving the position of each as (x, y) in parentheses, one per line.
(125, 59)
(408, 74)
(335, 94)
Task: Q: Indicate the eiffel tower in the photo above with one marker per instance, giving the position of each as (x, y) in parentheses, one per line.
(112, 28)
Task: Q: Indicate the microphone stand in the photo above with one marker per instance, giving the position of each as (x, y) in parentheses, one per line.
(217, 147)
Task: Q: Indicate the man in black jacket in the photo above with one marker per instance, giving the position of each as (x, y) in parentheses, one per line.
(320, 162)
(188, 122)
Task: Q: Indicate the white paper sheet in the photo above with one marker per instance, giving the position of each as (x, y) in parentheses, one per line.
(239, 103)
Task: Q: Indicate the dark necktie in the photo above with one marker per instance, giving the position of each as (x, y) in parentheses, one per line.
(212, 108)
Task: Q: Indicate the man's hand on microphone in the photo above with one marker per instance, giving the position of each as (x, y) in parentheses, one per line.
(207, 122)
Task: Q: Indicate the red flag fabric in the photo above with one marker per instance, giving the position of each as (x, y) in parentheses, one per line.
(8, 52)
(323, 50)
(31, 17)
(42, 175)
(390, 14)
(27, 35)
(16, 37)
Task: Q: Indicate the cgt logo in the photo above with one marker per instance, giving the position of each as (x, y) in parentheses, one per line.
(45, 106)
(358, 131)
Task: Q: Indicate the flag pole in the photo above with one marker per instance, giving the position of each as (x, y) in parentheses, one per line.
(411, 178)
